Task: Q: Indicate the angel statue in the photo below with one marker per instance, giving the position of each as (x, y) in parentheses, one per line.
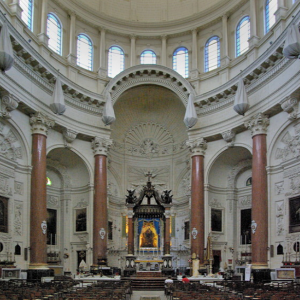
(130, 198)
(166, 197)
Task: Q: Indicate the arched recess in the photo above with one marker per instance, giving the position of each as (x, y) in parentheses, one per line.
(227, 177)
(69, 202)
(150, 74)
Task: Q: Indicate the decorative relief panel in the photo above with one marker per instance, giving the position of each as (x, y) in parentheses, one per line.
(82, 237)
(245, 201)
(5, 189)
(294, 184)
(82, 203)
(9, 145)
(215, 203)
(279, 188)
(244, 164)
(292, 145)
(19, 188)
(185, 185)
(18, 220)
(279, 218)
(52, 201)
(112, 189)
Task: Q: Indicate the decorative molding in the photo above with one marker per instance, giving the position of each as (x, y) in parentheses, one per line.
(18, 218)
(279, 218)
(112, 189)
(197, 147)
(69, 136)
(279, 187)
(52, 201)
(214, 203)
(101, 145)
(8, 103)
(40, 123)
(62, 170)
(82, 204)
(9, 145)
(258, 124)
(245, 201)
(294, 185)
(5, 188)
(19, 188)
(244, 164)
(83, 237)
(229, 136)
(290, 105)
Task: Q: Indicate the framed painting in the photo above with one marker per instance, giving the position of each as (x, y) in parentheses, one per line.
(216, 219)
(294, 214)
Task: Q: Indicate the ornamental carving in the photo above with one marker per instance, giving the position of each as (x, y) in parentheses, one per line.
(258, 124)
(290, 106)
(18, 220)
(61, 170)
(291, 149)
(149, 140)
(279, 218)
(69, 136)
(197, 147)
(245, 201)
(214, 203)
(279, 188)
(82, 203)
(229, 136)
(294, 186)
(40, 123)
(5, 189)
(9, 103)
(242, 165)
(101, 145)
(52, 201)
(9, 144)
(185, 185)
(19, 188)
(83, 237)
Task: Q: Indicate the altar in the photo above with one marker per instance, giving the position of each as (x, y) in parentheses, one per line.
(154, 265)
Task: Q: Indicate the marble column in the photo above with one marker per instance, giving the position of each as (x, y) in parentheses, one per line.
(130, 230)
(198, 148)
(132, 50)
(164, 50)
(259, 226)
(40, 124)
(100, 147)
(43, 31)
(167, 245)
(72, 39)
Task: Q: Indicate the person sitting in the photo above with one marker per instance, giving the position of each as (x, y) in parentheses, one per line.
(185, 279)
(168, 286)
(169, 280)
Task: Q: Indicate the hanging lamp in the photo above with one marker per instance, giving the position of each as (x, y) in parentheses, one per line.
(190, 118)
(108, 116)
(58, 105)
(6, 50)
(291, 49)
(241, 104)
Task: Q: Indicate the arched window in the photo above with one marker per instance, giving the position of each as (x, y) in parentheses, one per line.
(148, 57)
(27, 12)
(115, 61)
(270, 8)
(54, 32)
(242, 36)
(84, 52)
(212, 54)
(181, 61)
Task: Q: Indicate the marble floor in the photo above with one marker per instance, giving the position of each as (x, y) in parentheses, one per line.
(148, 295)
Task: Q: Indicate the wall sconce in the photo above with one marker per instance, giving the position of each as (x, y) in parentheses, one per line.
(231, 249)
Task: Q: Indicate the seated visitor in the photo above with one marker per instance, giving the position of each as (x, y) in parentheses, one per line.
(168, 280)
(185, 279)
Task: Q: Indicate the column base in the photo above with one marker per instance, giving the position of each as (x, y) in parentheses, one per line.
(261, 275)
(36, 274)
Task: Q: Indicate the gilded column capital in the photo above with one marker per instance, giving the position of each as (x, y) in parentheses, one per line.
(198, 146)
(258, 124)
(40, 123)
(101, 145)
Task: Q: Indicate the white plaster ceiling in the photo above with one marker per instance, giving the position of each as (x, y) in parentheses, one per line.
(149, 104)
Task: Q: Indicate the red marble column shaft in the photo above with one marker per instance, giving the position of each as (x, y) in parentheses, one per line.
(167, 245)
(38, 201)
(130, 236)
(197, 207)
(260, 202)
(100, 209)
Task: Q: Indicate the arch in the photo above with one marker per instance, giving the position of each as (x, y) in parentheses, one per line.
(181, 61)
(54, 32)
(212, 53)
(148, 57)
(116, 60)
(84, 51)
(150, 74)
(242, 36)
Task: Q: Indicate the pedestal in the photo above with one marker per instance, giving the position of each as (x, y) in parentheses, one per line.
(261, 275)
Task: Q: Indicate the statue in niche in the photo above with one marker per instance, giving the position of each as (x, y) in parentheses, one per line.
(148, 236)
(166, 197)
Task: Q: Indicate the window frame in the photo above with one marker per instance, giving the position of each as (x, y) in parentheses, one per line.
(186, 63)
(206, 53)
(58, 48)
(91, 52)
(110, 73)
(28, 20)
(267, 15)
(238, 36)
(153, 57)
